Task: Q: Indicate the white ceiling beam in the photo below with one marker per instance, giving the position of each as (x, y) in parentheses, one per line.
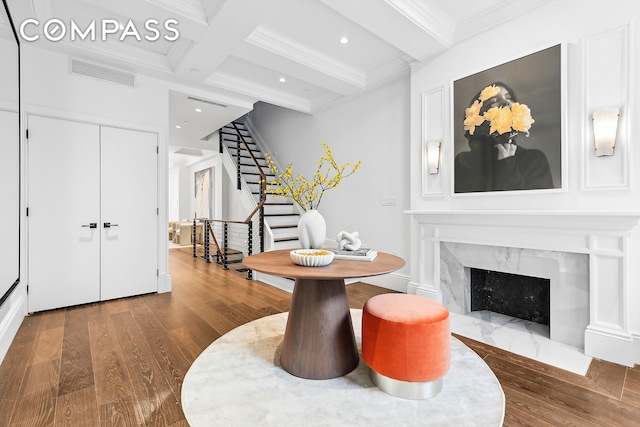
(404, 24)
(271, 41)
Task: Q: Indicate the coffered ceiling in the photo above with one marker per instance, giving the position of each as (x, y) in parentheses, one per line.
(235, 53)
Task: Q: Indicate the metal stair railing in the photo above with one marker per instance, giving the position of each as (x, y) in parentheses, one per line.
(222, 251)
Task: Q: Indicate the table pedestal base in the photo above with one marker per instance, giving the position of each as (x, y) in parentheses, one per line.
(319, 342)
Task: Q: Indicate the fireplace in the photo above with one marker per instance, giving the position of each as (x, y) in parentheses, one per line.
(567, 275)
(590, 259)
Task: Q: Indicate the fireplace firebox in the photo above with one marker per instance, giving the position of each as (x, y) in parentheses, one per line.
(515, 295)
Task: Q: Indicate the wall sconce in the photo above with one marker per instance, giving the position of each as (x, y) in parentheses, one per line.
(605, 126)
(433, 156)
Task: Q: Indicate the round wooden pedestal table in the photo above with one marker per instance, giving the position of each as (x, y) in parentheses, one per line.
(319, 341)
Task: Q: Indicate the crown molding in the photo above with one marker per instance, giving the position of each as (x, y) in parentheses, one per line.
(190, 9)
(505, 11)
(427, 17)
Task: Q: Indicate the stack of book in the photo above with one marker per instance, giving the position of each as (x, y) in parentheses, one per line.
(362, 254)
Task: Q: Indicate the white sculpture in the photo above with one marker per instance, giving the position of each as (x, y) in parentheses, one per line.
(348, 241)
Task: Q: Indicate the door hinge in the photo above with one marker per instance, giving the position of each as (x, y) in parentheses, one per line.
(157, 273)
(157, 150)
(27, 133)
(27, 211)
(157, 211)
(27, 289)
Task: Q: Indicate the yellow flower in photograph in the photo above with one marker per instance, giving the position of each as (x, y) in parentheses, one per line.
(522, 119)
(500, 119)
(488, 92)
(473, 117)
(308, 193)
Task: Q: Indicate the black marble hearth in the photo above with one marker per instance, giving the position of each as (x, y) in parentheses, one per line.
(514, 295)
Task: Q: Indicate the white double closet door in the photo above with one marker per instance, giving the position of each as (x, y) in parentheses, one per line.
(93, 218)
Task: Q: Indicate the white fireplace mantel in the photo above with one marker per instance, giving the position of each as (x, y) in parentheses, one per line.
(611, 239)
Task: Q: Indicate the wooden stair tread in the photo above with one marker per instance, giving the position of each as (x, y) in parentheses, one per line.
(285, 239)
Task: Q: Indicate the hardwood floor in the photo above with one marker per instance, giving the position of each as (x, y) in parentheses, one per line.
(122, 362)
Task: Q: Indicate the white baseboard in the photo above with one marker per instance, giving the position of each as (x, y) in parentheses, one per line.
(275, 281)
(164, 283)
(14, 310)
(393, 281)
(426, 291)
(612, 347)
(636, 347)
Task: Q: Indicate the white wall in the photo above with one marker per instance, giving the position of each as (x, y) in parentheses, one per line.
(373, 128)
(586, 76)
(173, 200)
(601, 70)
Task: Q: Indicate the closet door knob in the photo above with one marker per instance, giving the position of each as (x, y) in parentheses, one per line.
(91, 225)
(109, 225)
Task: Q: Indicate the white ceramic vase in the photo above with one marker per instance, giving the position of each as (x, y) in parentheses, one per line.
(312, 230)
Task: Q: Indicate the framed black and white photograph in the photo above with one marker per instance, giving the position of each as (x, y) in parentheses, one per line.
(507, 126)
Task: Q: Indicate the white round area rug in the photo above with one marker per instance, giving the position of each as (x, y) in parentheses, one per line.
(238, 381)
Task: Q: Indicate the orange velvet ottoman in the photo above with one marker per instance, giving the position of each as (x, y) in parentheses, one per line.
(406, 341)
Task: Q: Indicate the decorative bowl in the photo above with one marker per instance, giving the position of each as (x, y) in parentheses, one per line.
(311, 257)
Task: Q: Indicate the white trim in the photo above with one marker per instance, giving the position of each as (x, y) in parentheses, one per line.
(17, 310)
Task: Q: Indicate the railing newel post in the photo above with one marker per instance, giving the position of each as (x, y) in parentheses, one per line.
(207, 241)
(193, 238)
(250, 246)
(225, 240)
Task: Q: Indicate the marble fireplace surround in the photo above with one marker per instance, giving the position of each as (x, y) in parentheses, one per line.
(605, 237)
(568, 274)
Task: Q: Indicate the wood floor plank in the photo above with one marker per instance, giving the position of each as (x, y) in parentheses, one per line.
(523, 409)
(76, 366)
(631, 389)
(607, 377)
(52, 319)
(178, 316)
(123, 412)
(36, 401)
(111, 378)
(78, 408)
(158, 404)
(171, 360)
(49, 345)
(14, 366)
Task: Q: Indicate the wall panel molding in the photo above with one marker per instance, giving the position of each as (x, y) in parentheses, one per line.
(433, 129)
(606, 64)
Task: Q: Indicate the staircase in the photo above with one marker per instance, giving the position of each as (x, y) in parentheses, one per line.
(280, 215)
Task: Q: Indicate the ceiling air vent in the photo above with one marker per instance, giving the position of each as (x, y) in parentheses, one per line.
(103, 73)
(193, 98)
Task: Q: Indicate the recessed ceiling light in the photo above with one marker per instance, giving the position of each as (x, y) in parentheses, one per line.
(178, 127)
(282, 80)
(198, 110)
(344, 40)
(195, 70)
